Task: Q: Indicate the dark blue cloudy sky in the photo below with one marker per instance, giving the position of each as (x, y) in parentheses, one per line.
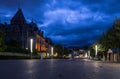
(67, 22)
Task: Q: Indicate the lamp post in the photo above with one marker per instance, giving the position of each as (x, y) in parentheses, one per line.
(89, 54)
(52, 51)
(31, 47)
(96, 51)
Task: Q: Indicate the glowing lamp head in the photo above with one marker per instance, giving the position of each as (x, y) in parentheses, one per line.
(31, 45)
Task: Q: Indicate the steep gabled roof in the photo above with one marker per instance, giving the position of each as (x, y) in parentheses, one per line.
(18, 18)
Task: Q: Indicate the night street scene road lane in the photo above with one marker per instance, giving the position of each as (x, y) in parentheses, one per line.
(59, 39)
(58, 69)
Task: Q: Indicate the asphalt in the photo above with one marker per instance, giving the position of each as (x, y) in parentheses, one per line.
(58, 69)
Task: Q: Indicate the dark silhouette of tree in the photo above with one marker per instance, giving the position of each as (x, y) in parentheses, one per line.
(112, 37)
(14, 43)
(109, 40)
(2, 44)
(61, 50)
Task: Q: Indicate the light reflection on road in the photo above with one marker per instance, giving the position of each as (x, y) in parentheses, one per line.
(58, 69)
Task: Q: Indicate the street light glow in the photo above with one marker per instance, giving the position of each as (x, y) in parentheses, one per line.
(96, 48)
(52, 51)
(26, 48)
(31, 45)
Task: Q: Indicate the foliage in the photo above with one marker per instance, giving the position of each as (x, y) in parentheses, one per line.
(16, 50)
(2, 45)
(110, 39)
(100, 47)
(61, 50)
(13, 43)
(92, 54)
(35, 52)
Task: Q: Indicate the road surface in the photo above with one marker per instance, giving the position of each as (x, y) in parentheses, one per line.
(58, 69)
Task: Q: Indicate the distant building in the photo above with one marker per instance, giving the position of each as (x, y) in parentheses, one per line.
(77, 52)
(20, 31)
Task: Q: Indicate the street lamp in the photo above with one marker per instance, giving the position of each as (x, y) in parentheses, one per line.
(89, 54)
(31, 46)
(96, 50)
(52, 51)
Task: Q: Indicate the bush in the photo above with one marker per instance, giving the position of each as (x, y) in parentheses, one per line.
(16, 50)
(2, 45)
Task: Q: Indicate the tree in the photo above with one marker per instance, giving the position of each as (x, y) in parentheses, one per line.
(100, 47)
(110, 39)
(2, 45)
(61, 50)
(14, 43)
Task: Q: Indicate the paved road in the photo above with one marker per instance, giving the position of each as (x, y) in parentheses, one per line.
(58, 69)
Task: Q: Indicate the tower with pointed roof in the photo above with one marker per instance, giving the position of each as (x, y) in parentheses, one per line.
(21, 32)
(18, 18)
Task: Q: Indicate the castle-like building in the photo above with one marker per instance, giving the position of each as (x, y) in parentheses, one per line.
(20, 31)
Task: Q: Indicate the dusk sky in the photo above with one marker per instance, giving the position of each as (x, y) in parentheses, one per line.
(66, 22)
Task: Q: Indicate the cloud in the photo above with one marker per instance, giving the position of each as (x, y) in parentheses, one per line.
(68, 22)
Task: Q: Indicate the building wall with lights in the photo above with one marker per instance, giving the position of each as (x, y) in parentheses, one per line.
(78, 52)
(41, 44)
(20, 31)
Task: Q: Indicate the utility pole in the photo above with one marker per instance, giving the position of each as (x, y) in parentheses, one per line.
(40, 48)
(63, 50)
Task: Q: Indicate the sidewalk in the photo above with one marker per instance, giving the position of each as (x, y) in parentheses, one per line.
(104, 61)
